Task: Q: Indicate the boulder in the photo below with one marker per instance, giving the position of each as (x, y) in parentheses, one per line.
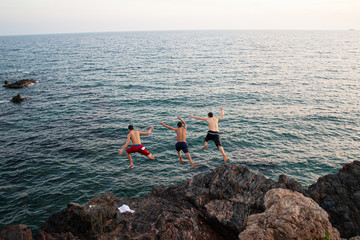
(19, 84)
(339, 195)
(18, 99)
(16, 232)
(289, 215)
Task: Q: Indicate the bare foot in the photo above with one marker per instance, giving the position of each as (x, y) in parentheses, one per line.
(193, 164)
(131, 165)
(181, 160)
(204, 147)
(225, 159)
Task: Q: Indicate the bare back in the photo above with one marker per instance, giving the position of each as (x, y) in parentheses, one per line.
(213, 124)
(135, 137)
(181, 134)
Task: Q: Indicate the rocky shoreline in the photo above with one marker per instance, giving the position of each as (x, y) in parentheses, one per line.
(230, 202)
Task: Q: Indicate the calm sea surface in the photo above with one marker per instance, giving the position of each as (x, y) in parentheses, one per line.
(291, 100)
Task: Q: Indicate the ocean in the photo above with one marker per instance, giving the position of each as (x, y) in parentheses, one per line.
(291, 102)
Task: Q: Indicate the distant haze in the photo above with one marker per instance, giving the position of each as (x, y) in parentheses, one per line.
(65, 16)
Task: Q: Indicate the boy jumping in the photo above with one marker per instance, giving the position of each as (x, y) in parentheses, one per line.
(181, 140)
(134, 136)
(213, 133)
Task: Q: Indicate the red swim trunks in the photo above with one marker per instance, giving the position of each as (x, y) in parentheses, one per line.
(138, 148)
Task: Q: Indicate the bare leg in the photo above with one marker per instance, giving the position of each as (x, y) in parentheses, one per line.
(131, 163)
(223, 153)
(204, 147)
(179, 153)
(189, 157)
(151, 156)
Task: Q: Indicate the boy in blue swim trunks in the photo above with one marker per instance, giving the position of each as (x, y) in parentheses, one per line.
(213, 133)
(181, 140)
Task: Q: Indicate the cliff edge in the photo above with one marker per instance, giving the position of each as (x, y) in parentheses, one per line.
(230, 202)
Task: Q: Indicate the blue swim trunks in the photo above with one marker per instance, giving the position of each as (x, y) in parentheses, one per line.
(182, 146)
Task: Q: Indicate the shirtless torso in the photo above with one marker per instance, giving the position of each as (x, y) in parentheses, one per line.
(181, 134)
(213, 124)
(135, 137)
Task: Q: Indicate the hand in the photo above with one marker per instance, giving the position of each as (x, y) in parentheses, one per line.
(121, 151)
(151, 128)
(192, 115)
(161, 123)
(179, 117)
(221, 108)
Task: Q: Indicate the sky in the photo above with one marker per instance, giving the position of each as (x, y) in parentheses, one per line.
(21, 17)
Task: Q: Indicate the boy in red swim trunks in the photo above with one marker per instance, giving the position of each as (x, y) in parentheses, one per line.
(134, 136)
(181, 140)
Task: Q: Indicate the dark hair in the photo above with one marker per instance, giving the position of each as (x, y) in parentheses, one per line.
(131, 127)
(210, 114)
(179, 124)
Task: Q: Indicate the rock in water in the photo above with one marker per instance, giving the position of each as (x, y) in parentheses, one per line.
(339, 195)
(289, 215)
(18, 99)
(19, 84)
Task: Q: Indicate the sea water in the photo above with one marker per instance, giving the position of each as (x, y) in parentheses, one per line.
(291, 101)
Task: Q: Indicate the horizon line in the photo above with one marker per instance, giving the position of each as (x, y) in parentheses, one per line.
(172, 30)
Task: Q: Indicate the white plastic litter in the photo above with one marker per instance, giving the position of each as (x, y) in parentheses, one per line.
(125, 208)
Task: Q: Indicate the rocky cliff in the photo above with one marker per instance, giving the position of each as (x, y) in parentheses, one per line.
(230, 202)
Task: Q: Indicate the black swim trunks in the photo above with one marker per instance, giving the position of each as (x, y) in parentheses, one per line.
(182, 146)
(212, 135)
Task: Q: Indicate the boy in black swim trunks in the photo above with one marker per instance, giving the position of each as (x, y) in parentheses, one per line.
(181, 140)
(213, 133)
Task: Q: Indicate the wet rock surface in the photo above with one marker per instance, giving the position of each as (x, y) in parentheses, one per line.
(19, 84)
(18, 99)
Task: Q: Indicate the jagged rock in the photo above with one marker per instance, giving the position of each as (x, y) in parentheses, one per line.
(18, 99)
(339, 195)
(88, 221)
(289, 183)
(210, 206)
(289, 215)
(19, 84)
(16, 232)
(216, 205)
(225, 196)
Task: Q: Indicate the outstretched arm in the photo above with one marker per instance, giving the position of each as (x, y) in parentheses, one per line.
(167, 126)
(148, 132)
(125, 145)
(185, 126)
(198, 118)
(222, 113)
